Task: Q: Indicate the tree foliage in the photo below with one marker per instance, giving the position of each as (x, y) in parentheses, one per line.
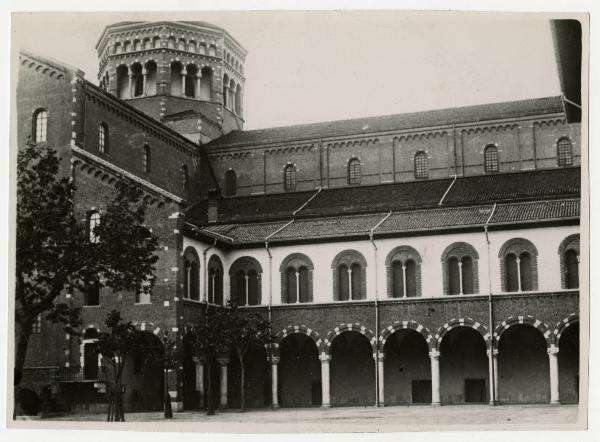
(53, 251)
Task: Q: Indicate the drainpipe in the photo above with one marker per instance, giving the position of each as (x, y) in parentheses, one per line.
(378, 400)
(269, 313)
(493, 398)
(204, 252)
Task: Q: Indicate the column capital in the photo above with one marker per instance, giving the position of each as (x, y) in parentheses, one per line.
(324, 357)
(379, 356)
(223, 362)
(275, 360)
(493, 352)
(199, 360)
(552, 350)
(434, 354)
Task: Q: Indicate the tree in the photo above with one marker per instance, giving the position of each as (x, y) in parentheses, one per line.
(54, 251)
(243, 331)
(208, 339)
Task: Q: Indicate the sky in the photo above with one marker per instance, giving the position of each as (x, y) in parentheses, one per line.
(305, 67)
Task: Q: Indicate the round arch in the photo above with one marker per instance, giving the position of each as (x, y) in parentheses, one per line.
(245, 263)
(561, 326)
(356, 327)
(405, 325)
(517, 246)
(296, 329)
(523, 319)
(460, 322)
(296, 260)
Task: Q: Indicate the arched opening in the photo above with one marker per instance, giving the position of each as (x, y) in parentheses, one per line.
(230, 183)
(147, 44)
(176, 79)
(238, 100)
(568, 364)
(137, 81)
(181, 44)
(523, 370)
(192, 46)
(123, 82)
(190, 80)
(352, 370)
(463, 367)
(512, 273)
(299, 372)
(231, 98)
(151, 72)
(564, 152)
(289, 177)
(40, 126)
(226, 102)
(137, 45)
(407, 369)
(421, 165)
(258, 379)
(212, 50)
(490, 159)
(143, 376)
(245, 278)
(206, 84)
(156, 42)
(171, 43)
(103, 138)
(90, 355)
(344, 283)
(202, 49)
(191, 283)
(571, 269)
(118, 49)
(127, 46)
(215, 280)
(354, 171)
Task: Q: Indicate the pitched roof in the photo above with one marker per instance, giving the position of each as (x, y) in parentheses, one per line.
(370, 125)
(382, 198)
(412, 221)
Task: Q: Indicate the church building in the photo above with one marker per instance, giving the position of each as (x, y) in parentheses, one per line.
(421, 258)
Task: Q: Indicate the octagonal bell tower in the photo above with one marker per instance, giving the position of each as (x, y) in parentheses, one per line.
(188, 75)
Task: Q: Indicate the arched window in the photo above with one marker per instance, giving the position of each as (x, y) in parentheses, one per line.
(103, 138)
(226, 102)
(181, 45)
(490, 159)
(202, 49)
(146, 158)
(191, 74)
(215, 280)
(349, 276)
(245, 277)
(184, 177)
(40, 125)
(93, 221)
(123, 82)
(137, 45)
(212, 51)
(564, 152)
(518, 265)
(206, 83)
(354, 172)
(230, 183)
(238, 100)
(289, 177)
(296, 279)
(137, 79)
(191, 283)
(569, 262)
(403, 266)
(147, 44)
(156, 42)
(460, 269)
(91, 297)
(421, 165)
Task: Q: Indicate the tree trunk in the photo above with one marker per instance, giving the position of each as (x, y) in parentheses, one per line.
(22, 335)
(167, 398)
(242, 382)
(210, 410)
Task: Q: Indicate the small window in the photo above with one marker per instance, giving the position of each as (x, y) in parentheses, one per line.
(184, 177)
(289, 177)
(40, 125)
(36, 327)
(146, 158)
(490, 159)
(421, 165)
(230, 183)
(93, 222)
(354, 171)
(92, 294)
(103, 138)
(565, 152)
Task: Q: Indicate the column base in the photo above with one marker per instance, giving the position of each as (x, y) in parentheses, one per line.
(554, 402)
(494, 403)
(274, 406)
(436, 404)
(326, 406)
(223, 407)
(176, 407)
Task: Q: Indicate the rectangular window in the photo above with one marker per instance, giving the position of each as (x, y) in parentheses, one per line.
(92, 294)
(37, 324)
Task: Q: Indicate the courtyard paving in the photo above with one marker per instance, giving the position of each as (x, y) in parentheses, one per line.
(349, 419)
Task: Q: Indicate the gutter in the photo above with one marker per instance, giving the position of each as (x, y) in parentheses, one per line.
(491, 359)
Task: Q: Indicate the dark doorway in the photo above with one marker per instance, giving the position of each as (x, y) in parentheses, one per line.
(421, 391)
(474, 390)
(299, 371)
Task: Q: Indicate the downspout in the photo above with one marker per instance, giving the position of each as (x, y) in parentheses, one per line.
(493, 399)
(204, 252)
(269, 311)
(377, 398)
(447, 190)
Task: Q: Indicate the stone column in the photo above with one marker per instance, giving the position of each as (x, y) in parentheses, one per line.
(493, 375)
(223, 362)
(460, 279)
(198, 83)
(519, 273)
(130, 85)
(403, 279)
(297, 287)
(326, 400)
(145, 79)
(200, 361)
(434, 355)
(349, 284)
(380, 373)
(274, 382)
(553, 360)
(183, 74)
(226, 96)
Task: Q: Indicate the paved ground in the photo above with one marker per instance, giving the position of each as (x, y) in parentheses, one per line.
(354, 419)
